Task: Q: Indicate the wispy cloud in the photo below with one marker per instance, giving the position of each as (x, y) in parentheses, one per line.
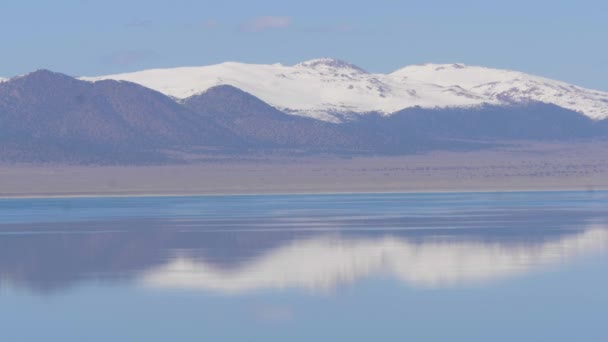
(129, 57)
(343, 28)
(266, 23)
(141, 23)
(209, 24)
(338, 28)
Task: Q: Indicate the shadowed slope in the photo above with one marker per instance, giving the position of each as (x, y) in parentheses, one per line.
(249, 117)
(50, 116)
(419, 129)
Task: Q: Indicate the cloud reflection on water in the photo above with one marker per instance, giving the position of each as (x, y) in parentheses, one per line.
(238, 244)
(326, 262)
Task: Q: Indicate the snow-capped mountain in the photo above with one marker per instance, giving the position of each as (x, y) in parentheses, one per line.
(323, 88)
(509, 86)
(319, 88)
(52, 117)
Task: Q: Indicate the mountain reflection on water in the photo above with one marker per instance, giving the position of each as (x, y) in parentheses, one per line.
(326, 262)
(236, 244)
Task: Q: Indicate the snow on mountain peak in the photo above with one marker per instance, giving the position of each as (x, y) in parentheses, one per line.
(329, 63)
(324, 87)
(508, 86)
(438, 67)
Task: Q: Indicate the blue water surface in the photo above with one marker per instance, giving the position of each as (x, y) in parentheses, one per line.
(529, 266)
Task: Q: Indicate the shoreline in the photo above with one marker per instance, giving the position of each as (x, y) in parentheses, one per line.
(568, 168)
(321, 193)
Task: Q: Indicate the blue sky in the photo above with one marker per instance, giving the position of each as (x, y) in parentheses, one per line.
(566, 40)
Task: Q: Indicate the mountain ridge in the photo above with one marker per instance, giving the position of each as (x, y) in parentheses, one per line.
(47, 115)
(247, 116)
(51, 117)
(326, 88)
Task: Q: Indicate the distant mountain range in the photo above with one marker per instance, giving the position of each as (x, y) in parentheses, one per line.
(327, 88)
(320, 106)
(45, 116)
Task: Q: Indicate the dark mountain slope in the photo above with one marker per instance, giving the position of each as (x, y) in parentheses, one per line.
(48, 116)
(265, 126)
(418, 129)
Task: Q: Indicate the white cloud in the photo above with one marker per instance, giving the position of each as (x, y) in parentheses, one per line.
(210, 24)
(266, 23)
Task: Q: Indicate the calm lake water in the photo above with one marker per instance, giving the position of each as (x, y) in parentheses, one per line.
(361, 267)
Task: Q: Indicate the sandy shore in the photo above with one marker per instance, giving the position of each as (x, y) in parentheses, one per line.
(550, 167)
